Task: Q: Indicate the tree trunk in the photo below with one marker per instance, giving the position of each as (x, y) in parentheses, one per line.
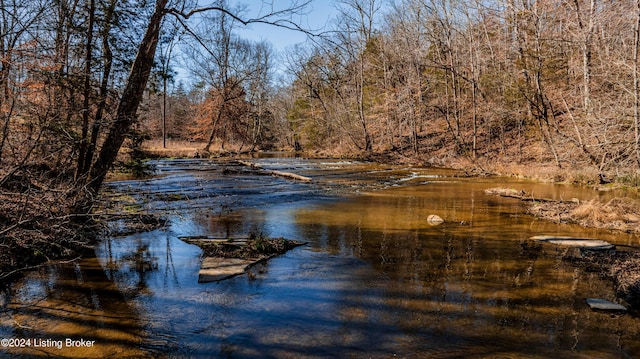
(104, 88)
(129, 102)
(216, 121)
(87, 91)
(636, 83)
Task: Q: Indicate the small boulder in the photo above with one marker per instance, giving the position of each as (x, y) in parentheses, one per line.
(435, 220)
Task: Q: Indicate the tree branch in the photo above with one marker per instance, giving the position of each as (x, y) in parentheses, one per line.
(272, 18)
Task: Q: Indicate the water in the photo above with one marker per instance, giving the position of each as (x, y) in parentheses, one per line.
(375, 279)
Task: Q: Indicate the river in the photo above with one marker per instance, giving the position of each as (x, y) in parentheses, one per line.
(375, 279)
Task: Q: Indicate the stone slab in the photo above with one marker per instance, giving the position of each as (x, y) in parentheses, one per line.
(588, 243)
(215, 269)
(603, 304)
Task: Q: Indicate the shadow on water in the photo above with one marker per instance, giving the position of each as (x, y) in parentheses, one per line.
(375, 280)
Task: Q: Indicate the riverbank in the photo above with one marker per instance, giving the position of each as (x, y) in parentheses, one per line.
(38, 226)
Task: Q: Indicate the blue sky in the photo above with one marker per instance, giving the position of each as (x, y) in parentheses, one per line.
(318, 18)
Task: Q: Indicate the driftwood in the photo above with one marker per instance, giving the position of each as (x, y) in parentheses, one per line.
(275, 173)
(523, 196)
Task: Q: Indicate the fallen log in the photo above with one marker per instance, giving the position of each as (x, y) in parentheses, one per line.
(291, 175)
(275, 173)
(249, 164)
(523, 196)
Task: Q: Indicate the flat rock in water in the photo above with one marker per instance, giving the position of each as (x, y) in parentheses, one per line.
(588, 243)
(603, 304)
(215, 269)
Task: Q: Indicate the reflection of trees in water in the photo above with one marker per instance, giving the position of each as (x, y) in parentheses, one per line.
(132, 261)
(435, 280)
(170, 274)
(73, 300)
(224, 223)
(131, 264)
(228, 223)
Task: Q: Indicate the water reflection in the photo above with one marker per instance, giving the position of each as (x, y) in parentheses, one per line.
(375, 280)
(74, 302)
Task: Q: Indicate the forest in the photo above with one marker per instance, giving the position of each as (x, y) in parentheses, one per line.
(481, 83)
(547, 88)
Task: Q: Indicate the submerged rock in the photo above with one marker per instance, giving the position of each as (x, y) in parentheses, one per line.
(587, 243)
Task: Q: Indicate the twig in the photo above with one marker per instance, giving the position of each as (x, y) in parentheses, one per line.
(46, 264)
(10, 228)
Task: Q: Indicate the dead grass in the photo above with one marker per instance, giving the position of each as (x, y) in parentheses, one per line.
(618, 214)
(174, 148)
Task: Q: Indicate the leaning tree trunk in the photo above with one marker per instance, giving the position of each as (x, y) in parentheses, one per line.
(127, 108)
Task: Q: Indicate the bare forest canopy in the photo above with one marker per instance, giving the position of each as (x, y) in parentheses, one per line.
(544, 82)
(511, 81)
(77, 77)
(551, 82)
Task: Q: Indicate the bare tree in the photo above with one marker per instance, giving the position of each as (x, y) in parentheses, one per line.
(139, 74)
(357, 30)
(258, 93)
(16, 19)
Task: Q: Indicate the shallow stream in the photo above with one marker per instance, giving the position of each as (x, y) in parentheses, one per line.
(374, 280)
